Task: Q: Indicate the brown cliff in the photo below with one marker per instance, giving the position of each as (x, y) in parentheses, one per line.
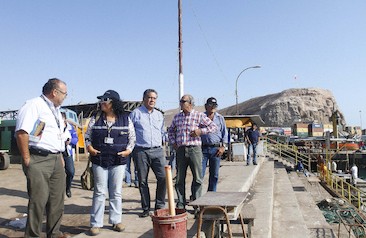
(289, 106)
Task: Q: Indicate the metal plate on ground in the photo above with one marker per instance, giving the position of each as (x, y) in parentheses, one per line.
(299, 188)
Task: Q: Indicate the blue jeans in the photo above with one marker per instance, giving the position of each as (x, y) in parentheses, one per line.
(209, 157)
(145, 159)
(69, 170)
(128, 177)
(107, 179)
(252, 147)
(192, 157)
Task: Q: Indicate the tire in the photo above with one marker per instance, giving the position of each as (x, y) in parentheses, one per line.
(4, 161)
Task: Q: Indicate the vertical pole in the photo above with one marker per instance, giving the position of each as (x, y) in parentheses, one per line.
(229, 147)
(170, 190)
(361, 121)
(180, 50)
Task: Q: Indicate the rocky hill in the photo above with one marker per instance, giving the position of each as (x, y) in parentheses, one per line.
(289, 106)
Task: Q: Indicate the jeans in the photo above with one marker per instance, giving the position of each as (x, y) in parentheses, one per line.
(145, 159)
(188, 156)
(209, 156)
(252, 147)
(70, 171)
(128, 177)
(107, 179)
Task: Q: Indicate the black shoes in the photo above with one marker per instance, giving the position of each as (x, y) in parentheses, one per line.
(144, 214)
(68, 193)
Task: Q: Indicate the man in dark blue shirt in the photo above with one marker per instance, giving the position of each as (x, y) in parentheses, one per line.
(252, 138)
(213, 144)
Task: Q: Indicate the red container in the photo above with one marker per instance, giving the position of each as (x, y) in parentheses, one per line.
(167, 226)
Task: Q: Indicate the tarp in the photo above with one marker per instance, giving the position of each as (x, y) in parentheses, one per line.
(241, 121)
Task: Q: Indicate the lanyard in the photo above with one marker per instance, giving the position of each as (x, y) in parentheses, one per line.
(53, 112)
(109, 127)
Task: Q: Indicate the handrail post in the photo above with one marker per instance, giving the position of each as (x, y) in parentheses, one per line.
(359, 199)
(349, 194)
(295, 157)
(279, 148)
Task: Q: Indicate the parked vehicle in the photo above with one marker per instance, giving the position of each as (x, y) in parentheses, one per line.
(4, 159)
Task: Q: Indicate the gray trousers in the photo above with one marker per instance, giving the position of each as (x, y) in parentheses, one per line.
(145, 159)
(46, 189)
(188, 156)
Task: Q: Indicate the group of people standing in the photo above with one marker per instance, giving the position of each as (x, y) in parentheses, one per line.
(112, 137)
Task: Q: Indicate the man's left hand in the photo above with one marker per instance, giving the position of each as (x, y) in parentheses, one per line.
(220, 151)
(196, 133)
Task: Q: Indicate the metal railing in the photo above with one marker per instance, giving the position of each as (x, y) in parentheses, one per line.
(344, 189)
(339, 185)
(290, 153)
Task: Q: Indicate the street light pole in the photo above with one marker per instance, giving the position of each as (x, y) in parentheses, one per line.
(236, 84)
(361, 120)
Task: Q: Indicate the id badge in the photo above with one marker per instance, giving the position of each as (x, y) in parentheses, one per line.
(108, 140)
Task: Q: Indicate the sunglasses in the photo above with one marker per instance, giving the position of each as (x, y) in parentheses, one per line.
(211, 105)
(183, 101)
(105, 100)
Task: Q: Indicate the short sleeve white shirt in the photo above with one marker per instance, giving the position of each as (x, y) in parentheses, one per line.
(354, 171)
(38, 113)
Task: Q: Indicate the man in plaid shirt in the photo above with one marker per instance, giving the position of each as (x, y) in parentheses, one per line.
(185, 136)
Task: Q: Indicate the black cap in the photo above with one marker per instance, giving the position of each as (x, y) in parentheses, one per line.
(211, 101)
(111, 94)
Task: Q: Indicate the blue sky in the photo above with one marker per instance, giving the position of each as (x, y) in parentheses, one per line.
(130, 46)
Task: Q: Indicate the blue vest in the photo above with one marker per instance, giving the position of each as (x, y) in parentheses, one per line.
(119, 132)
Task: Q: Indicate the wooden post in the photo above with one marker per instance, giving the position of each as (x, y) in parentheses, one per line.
(170, 191)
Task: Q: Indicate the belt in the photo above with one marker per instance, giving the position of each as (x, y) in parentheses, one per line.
(188, 146)
(41, 152)
(211, 145)
(147, 148)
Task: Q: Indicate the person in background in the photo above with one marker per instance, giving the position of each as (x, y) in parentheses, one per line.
(110, 139)
(252, 138)
(354, 174)
(334, 166)
(128, 177)
(321, 163)
(148, 152)
(70, 142)
(299, 166)
(39, 129)
(185, 136)
(213, 144)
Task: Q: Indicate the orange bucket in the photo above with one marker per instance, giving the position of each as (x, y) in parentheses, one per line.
(167, 226)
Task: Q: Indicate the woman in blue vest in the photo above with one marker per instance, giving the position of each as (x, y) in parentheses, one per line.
(110, 138)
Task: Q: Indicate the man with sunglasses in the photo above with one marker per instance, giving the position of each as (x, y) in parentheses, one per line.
(185, 136)
(39, 130)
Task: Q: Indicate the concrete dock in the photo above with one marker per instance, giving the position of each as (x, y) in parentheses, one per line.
(280, 211)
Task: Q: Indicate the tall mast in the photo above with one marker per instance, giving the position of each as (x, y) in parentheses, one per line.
(180, 50)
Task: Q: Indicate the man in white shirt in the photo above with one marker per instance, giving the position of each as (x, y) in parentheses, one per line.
(354, 174)
(39, 132)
